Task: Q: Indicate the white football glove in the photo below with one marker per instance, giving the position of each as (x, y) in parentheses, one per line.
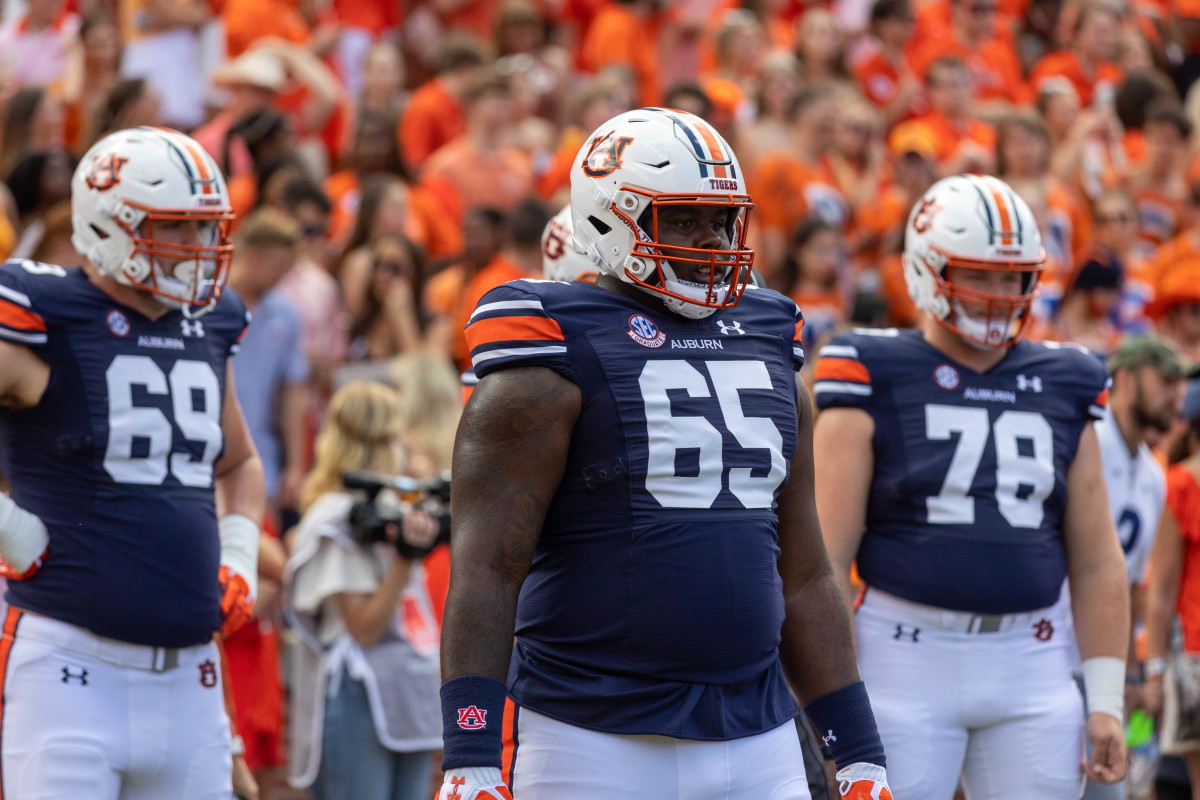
(474, 783)
(23, 540)
(863, 781)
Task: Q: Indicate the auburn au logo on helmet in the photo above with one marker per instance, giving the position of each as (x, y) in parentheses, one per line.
(604, 156)
(105, 172)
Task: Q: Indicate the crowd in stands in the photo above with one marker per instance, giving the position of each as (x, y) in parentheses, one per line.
(391, 161)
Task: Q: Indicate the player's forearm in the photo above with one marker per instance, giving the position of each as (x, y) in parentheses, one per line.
(241, 489)
(479, 621)
(1100, 604)
(817, 659)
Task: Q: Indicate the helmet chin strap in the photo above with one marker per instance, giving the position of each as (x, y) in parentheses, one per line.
(977, 333)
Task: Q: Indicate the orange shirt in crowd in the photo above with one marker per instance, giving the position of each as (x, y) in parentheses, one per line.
(1065, 63)
(558, 174)
(432, 118)
(880, 214)
(1158, 217)
(902, 312)
(1183, 499)
(619, 36)
(786, 190)
(878, 78)
(375, 16)
(1182, 249)
(949, 137)
(451, 294)
(454, 173)
(475, 16)
(994, 66)
(246, 21)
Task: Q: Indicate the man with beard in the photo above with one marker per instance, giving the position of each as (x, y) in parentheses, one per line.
(1145, 398)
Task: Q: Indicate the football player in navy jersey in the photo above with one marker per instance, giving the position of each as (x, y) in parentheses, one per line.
(132, 527)
(633, 501)
(959, 468)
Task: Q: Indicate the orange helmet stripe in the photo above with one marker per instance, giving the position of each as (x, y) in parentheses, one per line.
(714, 148)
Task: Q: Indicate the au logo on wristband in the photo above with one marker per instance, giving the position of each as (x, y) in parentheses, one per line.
(472, 718)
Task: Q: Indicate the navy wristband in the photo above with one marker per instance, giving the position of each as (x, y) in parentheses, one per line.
(472, 722)
(846, 725)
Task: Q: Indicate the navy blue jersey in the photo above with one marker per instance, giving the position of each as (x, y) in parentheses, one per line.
(117, 458)
(966, 503)
(653, 604)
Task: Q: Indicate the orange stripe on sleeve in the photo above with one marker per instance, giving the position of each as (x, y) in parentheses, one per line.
(14, 316)
(6, 643)
(841, 369)
(1102, 398)
(508, 752)
(512, 329)
(799, 335)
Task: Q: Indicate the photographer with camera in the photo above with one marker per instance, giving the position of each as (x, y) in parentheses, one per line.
(364, 712)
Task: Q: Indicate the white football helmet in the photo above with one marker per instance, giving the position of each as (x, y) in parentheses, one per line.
(637, 163)
(560, 260)
(974, 222)
(134, 179)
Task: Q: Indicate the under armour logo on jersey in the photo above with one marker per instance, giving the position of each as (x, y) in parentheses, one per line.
(457, 784)
(902, 632)
(192, 327)
(736, 327)
(472, 718)
(68, 676)
(1043, 630)
(208, 674)
(827, 738)
(1028, 384)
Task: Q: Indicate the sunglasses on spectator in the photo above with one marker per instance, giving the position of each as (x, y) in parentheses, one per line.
(311, 231)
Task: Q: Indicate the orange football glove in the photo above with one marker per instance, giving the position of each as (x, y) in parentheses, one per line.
(236, 603)
(474, 783)
(863, 781)
(9, 572)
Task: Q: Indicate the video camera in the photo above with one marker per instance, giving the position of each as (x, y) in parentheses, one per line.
(369, 519)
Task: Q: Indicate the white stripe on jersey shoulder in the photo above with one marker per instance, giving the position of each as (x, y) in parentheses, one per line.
(842, 387)
(1064, 346)
(882, 332)
(1097, 411)
(798, 352)
(839, 351)
(15, 296)
(23, 338)
(517, 351)
(506, 305)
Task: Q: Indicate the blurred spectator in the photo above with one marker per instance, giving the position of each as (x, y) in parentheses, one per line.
(1088, 62)
(372, 151)
(266, 136)
(35, 46)
(1172, 589)
(1176, 307)
(859, 156)
(162, 45)
(521, 35)
(315, 293)
(690, 96)
(453, 171)
(270, 365)
(451, 295)
(274, 176)
(361, 26)
(1159, 184)
(255, 82)
(996, 76)
(883, 72)
(90, 75)
(623, 32)
(381, 91)
(130, 102)
(821, 48)
(963, 142)
(386, 321)
(1137, 94)
(1037, 34)
(1184, 247)
(364, 618)
(816, 279)
(774, 100)
(789, 185)
(39, 181)
(33, 122)
(434, 115)
(523, 245)
(730, 84)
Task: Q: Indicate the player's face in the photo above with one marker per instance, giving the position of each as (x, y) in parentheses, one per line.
(182, 232)
(1157, 400)
(998, 283)
(700, 227)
